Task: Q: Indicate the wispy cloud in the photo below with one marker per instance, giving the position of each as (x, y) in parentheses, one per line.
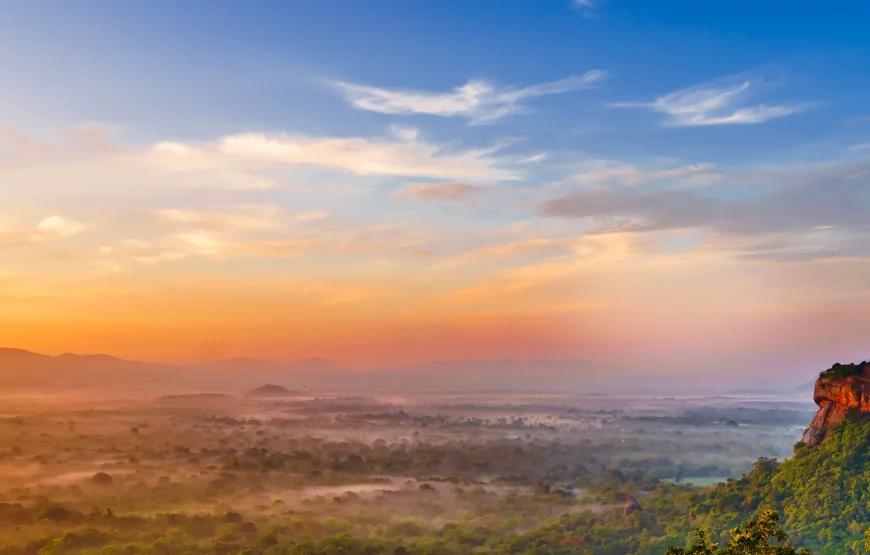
(47, 229)
(246, 217)
(713, 104)
(440, 192)
(235, 233)
(534, 159)
(514, 250)
(311, 216)
(204, 243)
(56, 227)
(137, 250)
(587, 7)
(242, 162)
(832, 197)
(478, 101)
(558, 275)
(607, 172)
(408, 156)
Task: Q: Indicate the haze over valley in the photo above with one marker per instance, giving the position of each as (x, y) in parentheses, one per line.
(274, 467)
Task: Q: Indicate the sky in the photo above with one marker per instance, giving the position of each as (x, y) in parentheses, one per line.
(676, 186)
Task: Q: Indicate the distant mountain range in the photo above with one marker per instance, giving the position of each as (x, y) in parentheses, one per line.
(253, 364)
(20, 369)
(25, 368)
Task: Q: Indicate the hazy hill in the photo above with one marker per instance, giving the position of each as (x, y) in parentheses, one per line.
(266, 366)
(271, 390)
(239, 364)
(27, 370)
(20, 368)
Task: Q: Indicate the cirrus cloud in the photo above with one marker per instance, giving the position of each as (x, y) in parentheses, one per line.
(406, 155)
(478, 101)
(240, 162)
(437, 192)
(713, 104)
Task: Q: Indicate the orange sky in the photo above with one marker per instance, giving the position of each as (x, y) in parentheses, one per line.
(133, 250)
(606, 298)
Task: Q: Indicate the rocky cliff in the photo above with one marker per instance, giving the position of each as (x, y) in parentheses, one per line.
(839, 390)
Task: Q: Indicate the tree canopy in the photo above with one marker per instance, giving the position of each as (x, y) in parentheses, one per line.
(762, 536)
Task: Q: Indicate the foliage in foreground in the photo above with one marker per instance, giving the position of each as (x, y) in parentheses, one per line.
(757, 537)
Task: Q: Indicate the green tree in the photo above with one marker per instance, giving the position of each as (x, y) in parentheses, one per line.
(54, 547)
(757, 537)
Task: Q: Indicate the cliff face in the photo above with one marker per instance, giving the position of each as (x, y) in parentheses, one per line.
(836, 395)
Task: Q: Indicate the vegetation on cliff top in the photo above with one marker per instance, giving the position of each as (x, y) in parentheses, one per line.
(844, 370)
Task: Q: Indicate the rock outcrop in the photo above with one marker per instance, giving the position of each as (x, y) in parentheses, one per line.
(631, 506)
(838, 391)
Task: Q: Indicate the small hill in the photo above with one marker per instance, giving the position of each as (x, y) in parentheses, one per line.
(271, 390)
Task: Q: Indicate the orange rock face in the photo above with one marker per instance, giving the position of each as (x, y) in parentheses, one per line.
(836, 396)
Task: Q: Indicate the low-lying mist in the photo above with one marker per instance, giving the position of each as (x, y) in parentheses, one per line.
(241, 467)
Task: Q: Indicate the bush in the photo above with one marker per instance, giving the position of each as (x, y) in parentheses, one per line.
(101, 479)
(843, 370)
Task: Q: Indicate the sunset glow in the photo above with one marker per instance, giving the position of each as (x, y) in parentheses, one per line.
(304, 205)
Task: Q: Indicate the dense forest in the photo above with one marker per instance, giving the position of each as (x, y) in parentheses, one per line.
(216, 475)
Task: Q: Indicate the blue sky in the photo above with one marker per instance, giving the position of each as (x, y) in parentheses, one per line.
(182, 64)
(491, 155)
